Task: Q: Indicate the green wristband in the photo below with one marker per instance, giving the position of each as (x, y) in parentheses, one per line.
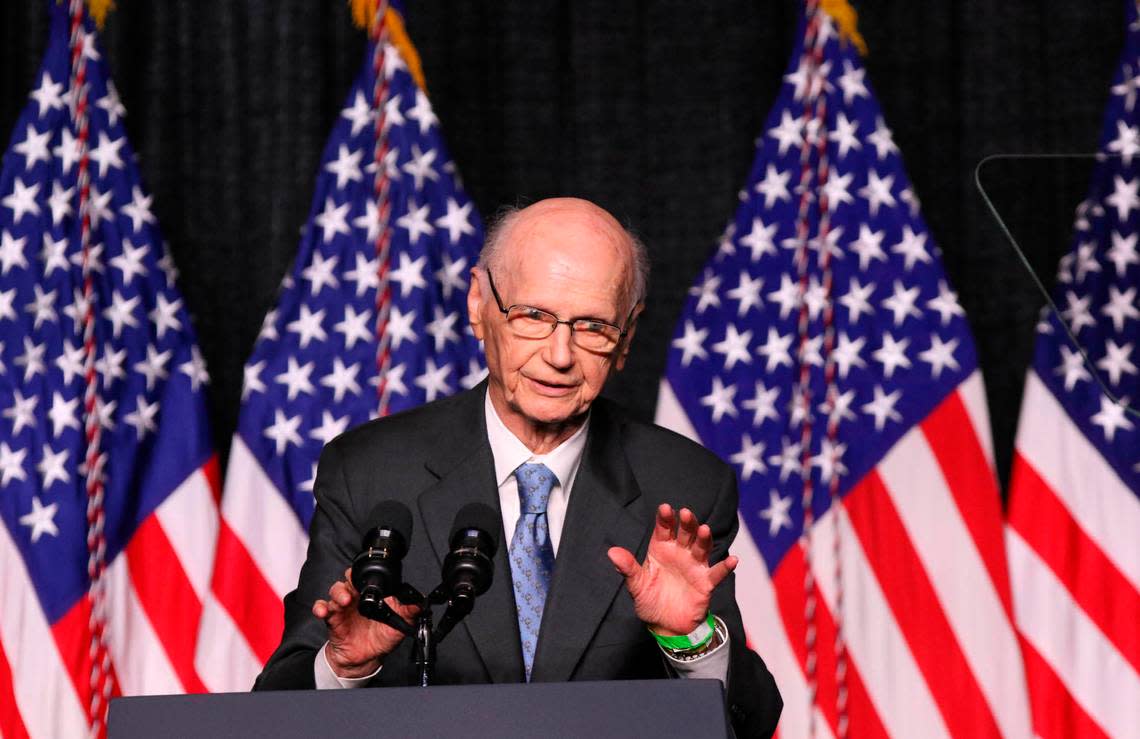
(695, 639)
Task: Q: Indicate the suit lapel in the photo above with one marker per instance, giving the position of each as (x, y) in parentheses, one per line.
(466, 471)
(604, 511)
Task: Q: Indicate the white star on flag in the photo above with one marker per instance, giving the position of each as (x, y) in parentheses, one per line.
(41, 519)
(776, 514)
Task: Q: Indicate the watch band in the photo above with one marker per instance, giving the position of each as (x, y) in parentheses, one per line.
(695, 639)
(720, 636)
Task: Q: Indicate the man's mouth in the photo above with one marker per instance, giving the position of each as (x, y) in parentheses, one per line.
(550, 387)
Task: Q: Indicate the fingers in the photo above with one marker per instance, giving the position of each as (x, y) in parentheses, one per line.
(687, 528)
(703, 544)
(342, 597)
(683, 527)
(406, 612)
(722, 569)
(666, 522)
(342, 594)
(623, 561)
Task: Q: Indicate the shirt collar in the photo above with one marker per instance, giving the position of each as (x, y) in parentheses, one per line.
(509, 452)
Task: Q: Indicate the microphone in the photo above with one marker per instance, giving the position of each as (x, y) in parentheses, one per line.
(469, 567)
(377, 571)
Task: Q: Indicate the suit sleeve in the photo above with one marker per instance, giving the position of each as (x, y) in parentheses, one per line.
(333, 534)
(753, 700)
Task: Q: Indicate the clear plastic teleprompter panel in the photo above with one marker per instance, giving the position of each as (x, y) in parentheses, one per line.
(1073, 220)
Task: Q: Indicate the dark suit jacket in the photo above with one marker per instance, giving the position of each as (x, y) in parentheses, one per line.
(435, 459)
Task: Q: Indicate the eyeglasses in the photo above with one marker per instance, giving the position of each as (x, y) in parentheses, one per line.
(529, 322)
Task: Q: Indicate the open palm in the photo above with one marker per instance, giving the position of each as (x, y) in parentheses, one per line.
(672, 587)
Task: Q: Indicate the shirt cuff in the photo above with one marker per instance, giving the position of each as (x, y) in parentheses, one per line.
(712, 666)
(326, 679)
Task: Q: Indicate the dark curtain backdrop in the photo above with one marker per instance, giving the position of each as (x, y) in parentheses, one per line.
(649, 108)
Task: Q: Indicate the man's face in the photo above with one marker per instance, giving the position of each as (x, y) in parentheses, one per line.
(568, 258)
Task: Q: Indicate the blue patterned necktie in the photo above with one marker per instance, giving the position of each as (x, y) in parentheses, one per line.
(532, 555)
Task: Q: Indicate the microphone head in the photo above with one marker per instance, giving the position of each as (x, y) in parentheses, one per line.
(478, 516)
(377, 571)
(389, 515)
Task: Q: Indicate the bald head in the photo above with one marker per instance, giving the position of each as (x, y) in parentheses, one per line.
(574, 231)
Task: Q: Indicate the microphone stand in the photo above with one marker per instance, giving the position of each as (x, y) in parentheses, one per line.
(426, 637)
(425, 648)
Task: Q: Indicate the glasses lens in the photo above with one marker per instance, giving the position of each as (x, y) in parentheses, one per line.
(530, 323)
(596, 336)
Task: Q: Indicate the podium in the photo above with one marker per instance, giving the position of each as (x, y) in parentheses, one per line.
(663, 709)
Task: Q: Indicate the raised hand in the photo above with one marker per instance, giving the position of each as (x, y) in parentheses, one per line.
(671, 589)
(357, 644)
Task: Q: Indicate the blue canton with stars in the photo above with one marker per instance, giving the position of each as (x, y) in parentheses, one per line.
(150, 373)
(313, 371)
(901, 340)
(1097, 285)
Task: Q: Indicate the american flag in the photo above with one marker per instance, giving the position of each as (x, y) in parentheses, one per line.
(823, 353)
(1073, 538)
(371, 320)
(107, 473)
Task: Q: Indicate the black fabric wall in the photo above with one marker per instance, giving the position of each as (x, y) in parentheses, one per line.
(649, 107)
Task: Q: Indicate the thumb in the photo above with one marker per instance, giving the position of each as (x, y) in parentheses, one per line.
(623, 561)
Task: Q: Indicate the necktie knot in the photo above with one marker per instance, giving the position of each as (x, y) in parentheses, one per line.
(535, 483)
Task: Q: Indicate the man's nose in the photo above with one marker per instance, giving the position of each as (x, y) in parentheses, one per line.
(560, 347)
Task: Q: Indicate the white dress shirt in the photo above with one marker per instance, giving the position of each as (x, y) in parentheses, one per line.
(509, 453)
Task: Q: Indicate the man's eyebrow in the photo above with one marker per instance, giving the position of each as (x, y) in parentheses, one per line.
(587, 317)
(608, 321)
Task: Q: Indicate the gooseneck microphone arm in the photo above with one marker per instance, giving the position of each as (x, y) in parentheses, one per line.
(379, 611)
(458, 608)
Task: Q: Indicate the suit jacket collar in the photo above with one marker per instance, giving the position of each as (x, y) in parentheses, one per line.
(605, 510)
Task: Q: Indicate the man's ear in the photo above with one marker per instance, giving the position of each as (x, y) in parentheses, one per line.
(475, 304)
(623, 348)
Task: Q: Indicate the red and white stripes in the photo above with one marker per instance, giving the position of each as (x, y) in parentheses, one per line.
(1073, 544)
(152, 599)
(262, 543)
(931, 647)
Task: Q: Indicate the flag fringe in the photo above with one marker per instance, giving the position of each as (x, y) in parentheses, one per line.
(99, 10)
(363, 13)
(848, 21)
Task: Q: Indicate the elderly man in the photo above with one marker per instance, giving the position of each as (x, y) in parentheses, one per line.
(581, 489)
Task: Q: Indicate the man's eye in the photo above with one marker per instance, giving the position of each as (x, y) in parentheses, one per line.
(590, 327)
(531, 314)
